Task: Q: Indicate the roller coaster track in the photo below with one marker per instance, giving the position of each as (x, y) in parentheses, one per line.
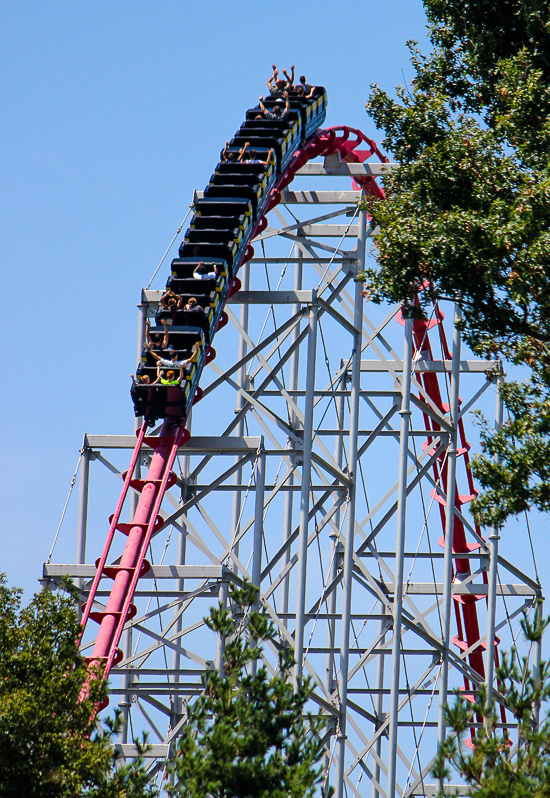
(133, 564)
(352, 146)
(468, 635)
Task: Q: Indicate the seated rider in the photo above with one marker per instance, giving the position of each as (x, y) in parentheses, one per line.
(156, 340)
(276, 85)
(171, 301)
(252, 156)
(195, 352)
(205, 271)
(169, 378)
(143, 380)
(194, 307)
(231, 157)
(276, 112)
(174, 362)
(305, 90)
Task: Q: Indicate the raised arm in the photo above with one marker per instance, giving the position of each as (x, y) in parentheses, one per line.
(159, 375)
(273, 77)
(242, 152)
(164, 343)
(262, 106)
(287, 104)
(192, 358)
(289, 79)
(269, 154)
(147, 334)
(224, 151)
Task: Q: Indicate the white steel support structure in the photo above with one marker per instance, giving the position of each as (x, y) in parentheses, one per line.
(308, 449)
(405, 414)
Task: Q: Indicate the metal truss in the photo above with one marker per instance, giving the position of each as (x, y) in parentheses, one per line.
(310, 472)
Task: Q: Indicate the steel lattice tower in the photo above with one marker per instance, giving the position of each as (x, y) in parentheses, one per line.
(318, 467)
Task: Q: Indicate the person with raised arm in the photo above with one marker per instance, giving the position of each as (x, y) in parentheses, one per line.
(156, 340)
(169, 379)
(231, 157)
(252, 157)
(171, 301)
(277, 85)
(277, 112)
(173, 362)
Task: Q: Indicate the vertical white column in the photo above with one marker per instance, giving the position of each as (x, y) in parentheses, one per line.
(258, 539)
(379, 701)
(239, 430)
(405, 413)
(537, 658)
(294, 363)
(259, 515)
(181, 555)
(336, 546)
(347, 578)
(306, 485)
(492, 544)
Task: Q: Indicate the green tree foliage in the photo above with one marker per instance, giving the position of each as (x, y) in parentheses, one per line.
(495, 766)
(49, 746)
(467, 215)
(247, 735)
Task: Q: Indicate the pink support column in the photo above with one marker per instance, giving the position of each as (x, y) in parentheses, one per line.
(119, 607)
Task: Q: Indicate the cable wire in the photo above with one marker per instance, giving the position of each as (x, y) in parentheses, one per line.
(73, 480)
(532, 548)
(178, 231)
(336, 252)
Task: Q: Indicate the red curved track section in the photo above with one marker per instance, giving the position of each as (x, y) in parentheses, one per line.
(353, 147)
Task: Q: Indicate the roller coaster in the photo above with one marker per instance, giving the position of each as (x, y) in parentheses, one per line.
(229, 216)
(226, 218)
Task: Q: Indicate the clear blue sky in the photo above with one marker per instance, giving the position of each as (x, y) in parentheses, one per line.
(112, 114)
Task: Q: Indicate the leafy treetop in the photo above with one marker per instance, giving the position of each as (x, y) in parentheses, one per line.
(49, 746)
(494, 765)
(467, 214)
(248, 735)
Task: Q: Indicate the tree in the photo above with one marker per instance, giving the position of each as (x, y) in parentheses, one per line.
(246, 735)
(467, 214)
(49, 746)
(493, 767)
